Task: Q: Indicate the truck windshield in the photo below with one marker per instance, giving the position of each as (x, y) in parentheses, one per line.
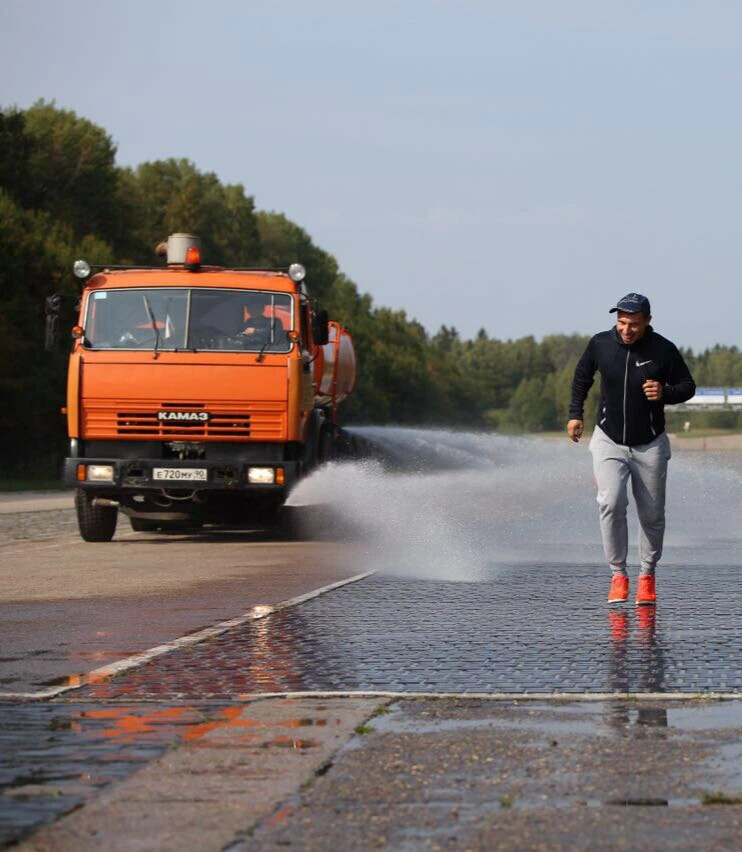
(200, 319)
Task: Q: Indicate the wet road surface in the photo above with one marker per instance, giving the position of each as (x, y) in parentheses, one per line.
(449, 774)
(180, 753)
(69, 607)
(390, 634)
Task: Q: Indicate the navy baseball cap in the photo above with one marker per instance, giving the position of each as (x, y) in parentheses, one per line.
(632, 303)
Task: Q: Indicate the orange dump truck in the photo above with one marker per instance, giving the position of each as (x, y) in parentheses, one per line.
(198, 393)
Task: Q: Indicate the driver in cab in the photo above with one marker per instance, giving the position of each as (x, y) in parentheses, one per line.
(257, 326)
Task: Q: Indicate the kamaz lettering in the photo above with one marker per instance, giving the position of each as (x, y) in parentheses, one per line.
(179, 416)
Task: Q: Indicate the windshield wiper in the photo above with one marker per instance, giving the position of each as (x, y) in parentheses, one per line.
(267, 340)
(154, 325)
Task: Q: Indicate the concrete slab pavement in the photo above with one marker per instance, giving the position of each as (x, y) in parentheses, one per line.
(215, 788)
(449, 773)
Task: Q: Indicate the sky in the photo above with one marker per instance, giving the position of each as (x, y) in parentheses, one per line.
(516, 167)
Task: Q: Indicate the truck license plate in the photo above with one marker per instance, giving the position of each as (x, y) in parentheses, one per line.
(180, 474)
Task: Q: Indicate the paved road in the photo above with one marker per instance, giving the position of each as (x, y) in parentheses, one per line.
(17, 502)
(180, 754)
(69, 606)
(519, 632)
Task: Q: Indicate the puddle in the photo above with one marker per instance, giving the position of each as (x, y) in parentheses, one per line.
(706, 716)
(439, 726)
(725, 767)
(578, 718)
(290, 742)
(39, 777)
(303, 723)
(648, 802)
(63, 680)
(557, 719)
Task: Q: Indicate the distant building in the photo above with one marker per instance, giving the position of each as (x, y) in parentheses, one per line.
(713, 399)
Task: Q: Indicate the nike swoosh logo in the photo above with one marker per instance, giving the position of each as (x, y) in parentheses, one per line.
(642, 363)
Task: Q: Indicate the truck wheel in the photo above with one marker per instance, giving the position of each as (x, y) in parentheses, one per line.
(97, 523)
(289, 524)
(326, 445)
(142, 525)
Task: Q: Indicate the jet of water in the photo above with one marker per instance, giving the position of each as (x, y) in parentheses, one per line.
(460, 505)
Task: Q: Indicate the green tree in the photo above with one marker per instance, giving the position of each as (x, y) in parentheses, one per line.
(71, 171)
(532, 407)
(283, 242)
(31, 380)
(172, 196)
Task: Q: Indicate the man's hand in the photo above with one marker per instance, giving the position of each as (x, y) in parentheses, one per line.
(575, 428)
(652, 390)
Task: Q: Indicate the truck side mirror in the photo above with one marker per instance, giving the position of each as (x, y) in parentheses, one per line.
(52, 309)
(320, 328)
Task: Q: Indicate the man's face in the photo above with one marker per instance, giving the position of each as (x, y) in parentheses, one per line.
(256, 309)
(631, 327)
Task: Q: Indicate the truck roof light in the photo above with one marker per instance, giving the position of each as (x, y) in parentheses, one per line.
(297, 272)
(193, 257)
(178, 246)
(81, 269)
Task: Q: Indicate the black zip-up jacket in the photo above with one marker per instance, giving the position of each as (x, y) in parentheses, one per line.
(625, 414)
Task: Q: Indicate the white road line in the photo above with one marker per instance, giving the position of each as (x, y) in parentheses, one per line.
(503, 696)
(515, 697)
(77, 681)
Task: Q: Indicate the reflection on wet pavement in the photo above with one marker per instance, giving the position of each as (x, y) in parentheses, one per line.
(390, 634)
(54, 756)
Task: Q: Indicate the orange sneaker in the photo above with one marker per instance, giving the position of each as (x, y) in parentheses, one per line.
(646, 594)
(619, 591)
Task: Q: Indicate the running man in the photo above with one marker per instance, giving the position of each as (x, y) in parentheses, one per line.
(641, 372)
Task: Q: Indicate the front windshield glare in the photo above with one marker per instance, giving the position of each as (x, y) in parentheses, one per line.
(198, 319)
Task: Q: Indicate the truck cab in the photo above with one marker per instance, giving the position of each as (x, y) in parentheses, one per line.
(198, 393)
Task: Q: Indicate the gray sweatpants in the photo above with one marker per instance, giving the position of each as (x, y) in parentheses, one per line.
(646, 466)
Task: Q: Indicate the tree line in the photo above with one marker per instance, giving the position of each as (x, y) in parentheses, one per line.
(62, 196)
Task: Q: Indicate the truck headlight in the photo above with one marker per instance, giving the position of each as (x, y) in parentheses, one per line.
(100, 473)
(297, 272)
(261, 475)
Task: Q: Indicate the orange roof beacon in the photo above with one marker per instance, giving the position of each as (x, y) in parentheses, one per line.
(197, 393)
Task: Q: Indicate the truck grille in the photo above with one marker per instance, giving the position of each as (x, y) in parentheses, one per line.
(236, 422)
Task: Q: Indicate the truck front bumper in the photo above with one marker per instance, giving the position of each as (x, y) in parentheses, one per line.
(136, 476)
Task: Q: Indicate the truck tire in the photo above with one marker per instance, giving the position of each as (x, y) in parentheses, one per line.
(326, 444)
(97, 523)
(311, 452)
(289, 524)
